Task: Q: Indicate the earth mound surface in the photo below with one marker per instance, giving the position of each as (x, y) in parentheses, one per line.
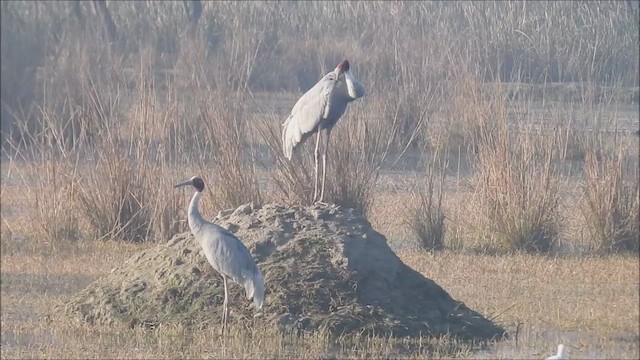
(325, 268)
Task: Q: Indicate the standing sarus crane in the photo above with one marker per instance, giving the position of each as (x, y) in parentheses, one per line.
(317, 111)
(225, 253)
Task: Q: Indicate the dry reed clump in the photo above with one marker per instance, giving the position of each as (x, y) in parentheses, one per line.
(517, 189)
(427, 214)
(124, 197)
(514, 185)
(112, 197)
(611, 204)
(123, 185)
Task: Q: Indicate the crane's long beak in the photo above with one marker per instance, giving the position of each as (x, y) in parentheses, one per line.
(188, 182)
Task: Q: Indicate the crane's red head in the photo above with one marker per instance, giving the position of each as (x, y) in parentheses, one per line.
(343, 66)
(195, 181)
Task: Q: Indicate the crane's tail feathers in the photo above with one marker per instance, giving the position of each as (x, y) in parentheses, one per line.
(254, 288)
(291, 136)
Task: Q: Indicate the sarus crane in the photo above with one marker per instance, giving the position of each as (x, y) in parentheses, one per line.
(317, 111)
(226, 254)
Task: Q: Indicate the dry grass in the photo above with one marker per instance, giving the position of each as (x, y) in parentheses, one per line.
(426, 218)
(611, 206)
(563, 293)
(518, 192)
(587, 303)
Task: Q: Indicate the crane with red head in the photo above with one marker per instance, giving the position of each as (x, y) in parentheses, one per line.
(317, 112)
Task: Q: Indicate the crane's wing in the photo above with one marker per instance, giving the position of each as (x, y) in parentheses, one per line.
(229, 256)
(307, 113)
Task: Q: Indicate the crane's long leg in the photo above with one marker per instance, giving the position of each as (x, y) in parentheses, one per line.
(224, 305)
(316, 154)
(324, 162)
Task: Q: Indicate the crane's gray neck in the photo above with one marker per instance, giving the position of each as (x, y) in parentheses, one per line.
(354, 88)
(195, 219)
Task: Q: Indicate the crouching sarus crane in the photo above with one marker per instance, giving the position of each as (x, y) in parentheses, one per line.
(317, 111)
(226, 254)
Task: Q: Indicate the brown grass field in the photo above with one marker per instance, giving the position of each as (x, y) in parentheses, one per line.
(495, 149)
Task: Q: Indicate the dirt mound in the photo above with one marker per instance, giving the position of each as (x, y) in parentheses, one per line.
(324, 268)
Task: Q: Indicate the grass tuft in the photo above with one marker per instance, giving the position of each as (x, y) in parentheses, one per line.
(426, 217)
(611, 204)
(518, 188)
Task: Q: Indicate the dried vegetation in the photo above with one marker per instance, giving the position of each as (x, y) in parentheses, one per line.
(528, 109)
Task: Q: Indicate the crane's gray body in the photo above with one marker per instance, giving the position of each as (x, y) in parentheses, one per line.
(319, 108)
(317, 111)
(226, 254)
